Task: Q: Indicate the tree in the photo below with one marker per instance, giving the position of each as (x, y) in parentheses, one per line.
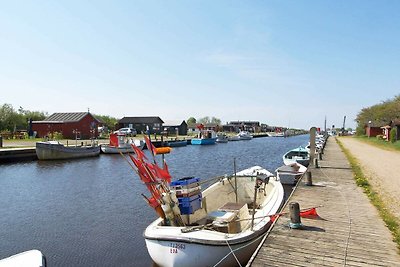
(191, 120)
(212, 120)
(108, 121)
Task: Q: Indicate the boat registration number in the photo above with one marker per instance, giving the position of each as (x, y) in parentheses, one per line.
(174, 247)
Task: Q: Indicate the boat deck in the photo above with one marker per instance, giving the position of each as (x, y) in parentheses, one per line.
(348, 232)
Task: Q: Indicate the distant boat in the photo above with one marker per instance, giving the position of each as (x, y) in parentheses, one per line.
(30, 258)
(276, 134)
(176, 143)
(222, 138)
(244, 135)
(205, 137)
(119, 143)
(290, 174)
(51, 150)
(299, 155)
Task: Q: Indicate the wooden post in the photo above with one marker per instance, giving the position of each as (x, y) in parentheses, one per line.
(308, 178)
(295, 221)
(320, 155)
(1, 141)
(316, 163)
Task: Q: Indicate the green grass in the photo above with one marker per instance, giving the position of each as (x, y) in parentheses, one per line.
(390, 220)
(380, 143)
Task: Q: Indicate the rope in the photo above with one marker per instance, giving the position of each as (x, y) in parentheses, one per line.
(233, 253)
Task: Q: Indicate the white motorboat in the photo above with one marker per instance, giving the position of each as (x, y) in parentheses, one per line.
(299, 155)
(222, 138)
(30, 258)
(290, 174)
(244, 135)
(119, 143)
(227, 226)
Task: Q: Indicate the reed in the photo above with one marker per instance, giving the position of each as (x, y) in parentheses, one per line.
(361, 179)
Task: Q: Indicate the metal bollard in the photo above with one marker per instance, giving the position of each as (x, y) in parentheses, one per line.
(308, 178)
(294, 210)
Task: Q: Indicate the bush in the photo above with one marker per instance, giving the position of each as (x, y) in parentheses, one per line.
(393, 135)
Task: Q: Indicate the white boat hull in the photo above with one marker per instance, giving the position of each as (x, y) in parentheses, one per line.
(124, 148)
(174, 253)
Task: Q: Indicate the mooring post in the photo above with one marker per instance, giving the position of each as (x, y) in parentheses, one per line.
(1, 141)
(316, 163)
(319, 156)
(308, 178)
(295, 221)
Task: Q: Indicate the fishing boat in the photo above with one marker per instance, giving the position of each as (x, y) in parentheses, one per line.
(119, 143)
(220, 226)
(222, 138)
(290, 174)
(30, 258)
(52, 150)
(205, 137)
(299, 155)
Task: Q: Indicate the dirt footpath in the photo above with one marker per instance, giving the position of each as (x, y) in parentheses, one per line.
(382, 168)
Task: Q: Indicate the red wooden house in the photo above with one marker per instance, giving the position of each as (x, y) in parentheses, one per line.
(82, 125)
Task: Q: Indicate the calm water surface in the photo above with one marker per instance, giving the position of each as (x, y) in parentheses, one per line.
(89, 212)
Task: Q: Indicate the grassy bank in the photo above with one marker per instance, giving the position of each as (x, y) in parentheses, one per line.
(362, 181)
(380, 143)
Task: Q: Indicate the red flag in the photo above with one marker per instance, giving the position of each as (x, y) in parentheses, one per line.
(310, 213)
(139, 153)
(144, 175)
(149, 145)
(273, 217)
(162, 173)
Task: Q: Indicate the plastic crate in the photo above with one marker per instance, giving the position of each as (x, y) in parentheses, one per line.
(188, 205)
(185, 181)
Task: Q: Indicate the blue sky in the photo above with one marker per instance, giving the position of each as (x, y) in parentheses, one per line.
(286, 63)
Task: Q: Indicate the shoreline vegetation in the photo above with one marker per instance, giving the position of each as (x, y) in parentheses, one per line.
(391, 221)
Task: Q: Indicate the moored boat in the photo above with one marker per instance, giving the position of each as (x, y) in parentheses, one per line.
(30, 258)
(176, 143)
(222, 138)
(205, 137)
(221, 225)
(299, 155)
(119, 143)
(290, 174)
(244, 135)
(52, 150)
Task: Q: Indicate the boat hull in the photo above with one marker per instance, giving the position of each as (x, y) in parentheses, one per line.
(177, 143)
(304, 162)
(106, 149)
(203, 141)
(168, 253)
(50, 151)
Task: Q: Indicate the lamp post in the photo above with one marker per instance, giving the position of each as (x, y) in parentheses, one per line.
(369, 128)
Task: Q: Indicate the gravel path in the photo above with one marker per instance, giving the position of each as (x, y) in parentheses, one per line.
(382, 167)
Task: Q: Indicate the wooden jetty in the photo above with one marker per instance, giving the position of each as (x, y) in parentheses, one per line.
(347, 232)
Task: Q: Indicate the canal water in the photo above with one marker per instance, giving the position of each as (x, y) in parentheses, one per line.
(89, 212)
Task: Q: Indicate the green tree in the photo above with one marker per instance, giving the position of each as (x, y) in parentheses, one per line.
(207, 119)
(191, 120)
(393, 134)
(108, 121)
